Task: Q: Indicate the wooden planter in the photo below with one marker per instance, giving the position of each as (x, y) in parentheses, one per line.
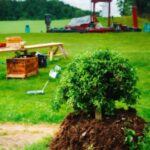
(22, 67)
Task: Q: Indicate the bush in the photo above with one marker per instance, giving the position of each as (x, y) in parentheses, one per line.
(95, 81)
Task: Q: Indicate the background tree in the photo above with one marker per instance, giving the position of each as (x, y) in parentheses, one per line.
(36, 9)
(125, 7)
(142, 5)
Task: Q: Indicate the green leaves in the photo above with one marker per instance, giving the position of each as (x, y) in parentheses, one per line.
(129, 138)
(96, 81)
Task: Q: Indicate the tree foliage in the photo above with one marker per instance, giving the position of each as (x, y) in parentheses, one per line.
(125, 7)
(35, 9)
(142, 5)
(96, 81)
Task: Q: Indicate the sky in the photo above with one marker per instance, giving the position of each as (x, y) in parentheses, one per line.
(86, 5)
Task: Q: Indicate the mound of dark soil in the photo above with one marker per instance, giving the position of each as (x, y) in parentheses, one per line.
(79, 132)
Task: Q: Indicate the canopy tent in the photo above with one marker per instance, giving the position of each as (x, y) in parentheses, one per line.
(86, 21)
(81, 21)
(109, 9)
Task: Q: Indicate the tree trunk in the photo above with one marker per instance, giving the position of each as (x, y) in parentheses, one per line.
(98, 115)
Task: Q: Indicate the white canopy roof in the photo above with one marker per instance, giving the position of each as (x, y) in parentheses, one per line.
(83, 20)
(80, 20)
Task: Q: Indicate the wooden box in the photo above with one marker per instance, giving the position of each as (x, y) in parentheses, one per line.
(22, 67)
(13, 42)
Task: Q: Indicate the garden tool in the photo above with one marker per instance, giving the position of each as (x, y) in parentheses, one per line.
(38, 91)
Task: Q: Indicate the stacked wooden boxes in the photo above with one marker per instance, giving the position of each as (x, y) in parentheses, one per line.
(15, 42)
(22, 67)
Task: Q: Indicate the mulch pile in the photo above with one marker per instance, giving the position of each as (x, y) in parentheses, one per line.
(79, 132)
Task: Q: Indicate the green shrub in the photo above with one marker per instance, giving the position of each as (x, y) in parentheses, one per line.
(95, 81)
(129, 138)
(144, 142)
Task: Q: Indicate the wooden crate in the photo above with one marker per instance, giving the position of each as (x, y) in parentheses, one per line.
(22, 67)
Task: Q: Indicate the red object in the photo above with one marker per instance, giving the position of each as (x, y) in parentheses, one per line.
(78, 28)
(84, 26)
(109, 9)
(95, 1)
(134, 16)
(2, 44)
(94, 21)
(101, 30)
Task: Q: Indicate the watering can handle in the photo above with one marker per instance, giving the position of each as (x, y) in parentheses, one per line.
(45, 85)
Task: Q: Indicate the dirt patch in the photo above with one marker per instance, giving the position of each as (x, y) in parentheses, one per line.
(80, 132)
(14, 136)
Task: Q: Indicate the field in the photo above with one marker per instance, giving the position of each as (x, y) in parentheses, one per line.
(38, 26)
(17, 106)
(35, 26)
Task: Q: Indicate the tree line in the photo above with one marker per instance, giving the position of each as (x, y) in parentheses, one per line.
(143, 7)
(36, 9)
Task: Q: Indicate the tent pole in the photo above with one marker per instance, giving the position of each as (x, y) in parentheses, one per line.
(94, 7)
(93, 13)
(109, 12)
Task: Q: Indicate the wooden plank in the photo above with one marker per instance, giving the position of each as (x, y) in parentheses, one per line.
(42, 45)
(16, 76)
(8, 49)
(63, 51)
(28, 47)
(32, 73)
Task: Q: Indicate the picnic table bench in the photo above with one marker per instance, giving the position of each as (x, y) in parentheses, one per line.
(55, 49)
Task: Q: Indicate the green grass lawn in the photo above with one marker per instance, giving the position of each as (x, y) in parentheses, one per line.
(17, 106)
(35, 26)
(38, 26)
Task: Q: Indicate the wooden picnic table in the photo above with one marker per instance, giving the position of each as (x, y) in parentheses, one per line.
(55, 49)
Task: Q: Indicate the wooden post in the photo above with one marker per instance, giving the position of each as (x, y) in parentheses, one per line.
(50, 54)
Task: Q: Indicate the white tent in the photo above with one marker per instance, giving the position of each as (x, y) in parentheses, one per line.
(79, 21)
(82, 20)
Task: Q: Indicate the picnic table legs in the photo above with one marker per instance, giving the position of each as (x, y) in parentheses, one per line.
(53, 52)
(50, 54)
(63, 51)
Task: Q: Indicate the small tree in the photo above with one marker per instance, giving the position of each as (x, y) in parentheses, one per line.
(125, 7)
(95, 82)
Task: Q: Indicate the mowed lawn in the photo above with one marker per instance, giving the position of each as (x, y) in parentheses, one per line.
(38, 26)
(17, 106)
